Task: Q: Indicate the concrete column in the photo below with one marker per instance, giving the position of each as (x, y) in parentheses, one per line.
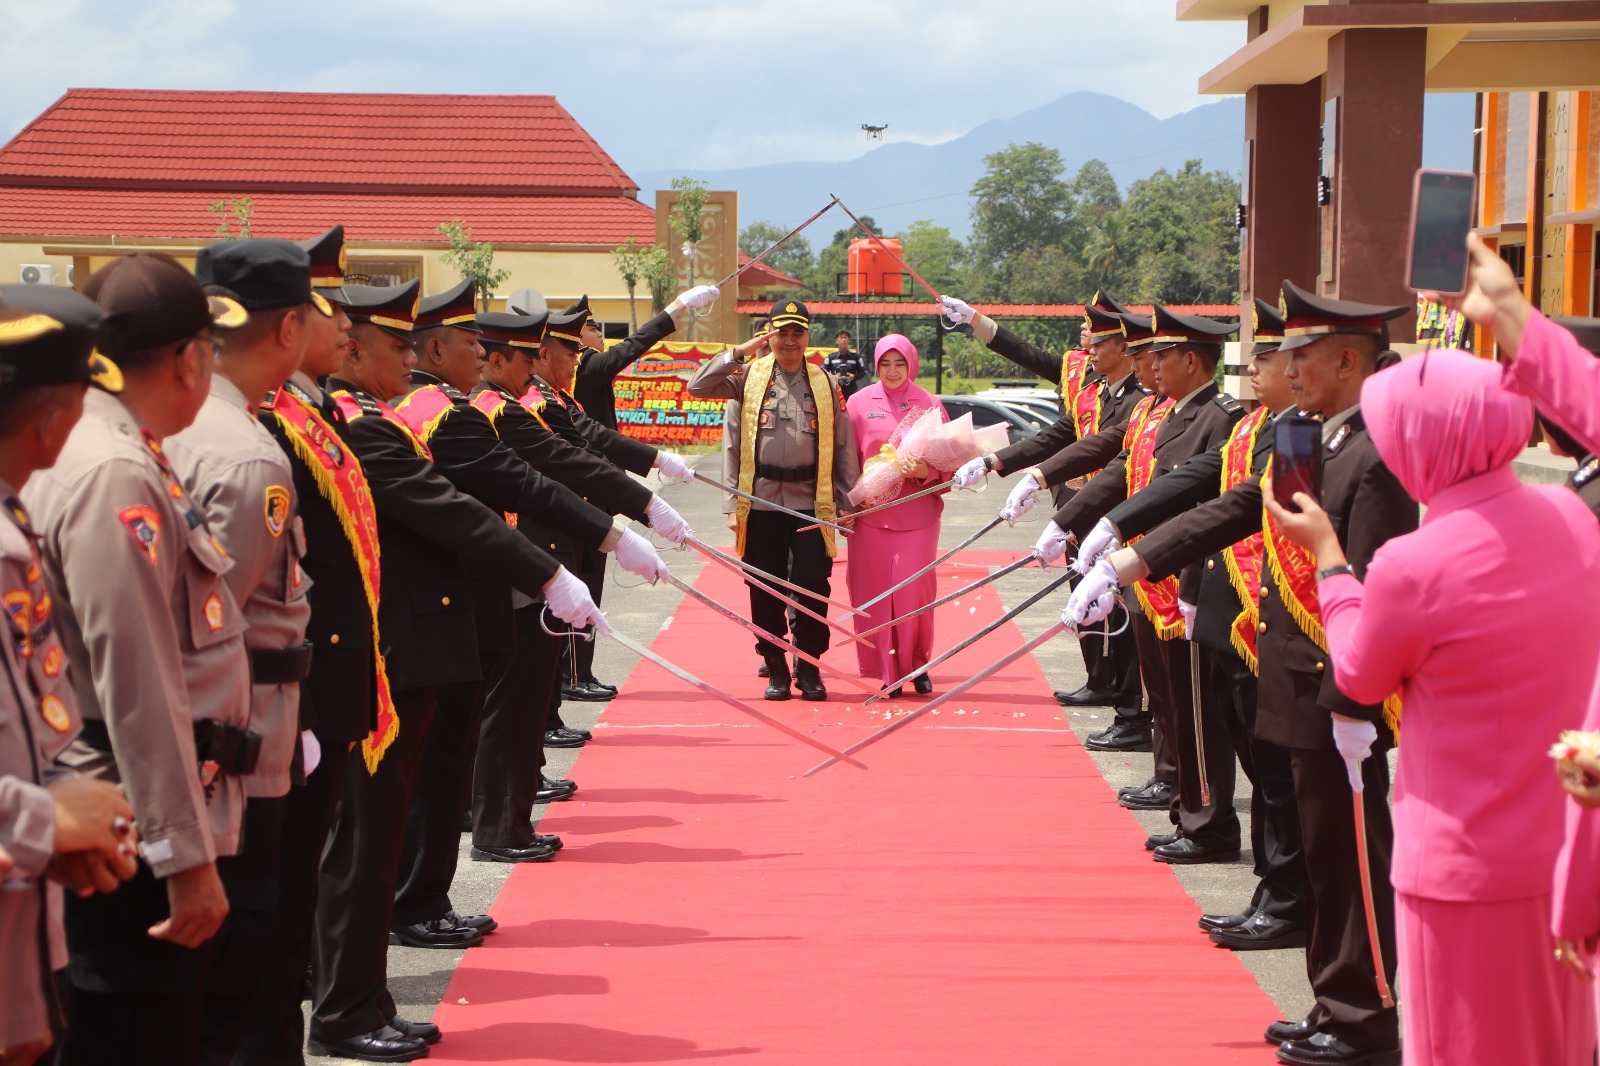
(1281, 125)
(1376, 79)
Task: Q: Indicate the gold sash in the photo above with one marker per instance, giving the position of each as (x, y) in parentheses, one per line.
(1074, 366)
(757, 379)
(1244, 558)
(1159, 599)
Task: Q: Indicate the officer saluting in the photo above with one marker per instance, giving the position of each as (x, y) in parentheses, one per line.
(785, 438)
(139, 578)
(46, 340)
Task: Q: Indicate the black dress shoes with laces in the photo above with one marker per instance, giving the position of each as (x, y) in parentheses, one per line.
(426, 1032)
(481, 922)
(435, 933)
(554, 791)
(1189, 852)
(1161, 840)
(1156, 797)
(563, 738)
(1284, 1031)
(808, 679)
(1086, 697)
(1210, 923)
(1262, 933)
(1321, 1049)
(383, 1044)
(923, 684)
(1125, 735)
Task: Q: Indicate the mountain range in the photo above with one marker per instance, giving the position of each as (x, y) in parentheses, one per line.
(900, 182)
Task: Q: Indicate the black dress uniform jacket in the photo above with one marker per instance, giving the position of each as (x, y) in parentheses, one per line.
(1368, 507)
(1058, 452)
(592, 384)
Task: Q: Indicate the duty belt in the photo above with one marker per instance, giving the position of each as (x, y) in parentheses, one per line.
(269, 666)
(787, 473)
(232, 749)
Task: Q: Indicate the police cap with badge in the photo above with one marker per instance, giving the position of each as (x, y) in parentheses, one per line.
(392, 308)
(1267, 327)
(790, 313)
(456, 307)
(497, 329)
(149, 301)
(1172, 330)
(567, 328)
(326, 251)
(1308, 318)
(262, 274)
(1103, 323)
(47, 337)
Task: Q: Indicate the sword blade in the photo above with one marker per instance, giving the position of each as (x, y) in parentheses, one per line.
(773, 579)
(733, 616)
(1199, 735)
(1384, 993)
(1054, 584)
(946, 557)
(698, 476)
(890, 252)
(943, 486)
(727, 563)
(785, 239)
(949, 596)
(732, 701)
(1007, 660)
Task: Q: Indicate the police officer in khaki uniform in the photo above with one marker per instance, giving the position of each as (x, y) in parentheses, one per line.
(53, 827)
(786, 438)
(244, 483)
(139, 577)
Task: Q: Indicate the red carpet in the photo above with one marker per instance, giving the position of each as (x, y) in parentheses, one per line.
(977, 897)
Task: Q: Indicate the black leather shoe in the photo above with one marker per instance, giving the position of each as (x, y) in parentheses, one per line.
(1158, 797)
(603, 686)
(587, 692)
(560, 738)
(1282, 1032)
(1188, 852)
(1161, 840)
(1086, 697)
(808, 679)
(1124, 736)
(531, 853)
(762, 671)
(896, 692)
(1210, 923)
(436, 933)
(383, 1044)
(1261, 933)
(565, 728)
(481, 922)
(426, 1032)
(554, 791)
(923, 684)
(1128, 790)
(777, 679)
(548, 840)
(1321, 1049)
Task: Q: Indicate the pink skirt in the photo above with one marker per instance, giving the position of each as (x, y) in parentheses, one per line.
(1480, 986)
(879, 559)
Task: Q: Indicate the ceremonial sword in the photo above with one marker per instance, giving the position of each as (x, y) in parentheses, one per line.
(988, 671)
(979, 635)
(1199, 735)
(734, 616)
(698, 476)
(781, 242)
(729, 563)
(890, 252)
(762, 575)
(1384, 994)
(732, 701)
(943, 486)
(1017, 564)
(946, 557)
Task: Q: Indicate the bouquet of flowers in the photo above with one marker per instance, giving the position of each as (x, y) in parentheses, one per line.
(923, 435)
(1572, 744)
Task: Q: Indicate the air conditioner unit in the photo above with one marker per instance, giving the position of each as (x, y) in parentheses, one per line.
(72, 276)
(38, 274)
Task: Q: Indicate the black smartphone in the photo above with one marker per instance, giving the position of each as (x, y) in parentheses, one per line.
(1442, 207)
(1296, 460)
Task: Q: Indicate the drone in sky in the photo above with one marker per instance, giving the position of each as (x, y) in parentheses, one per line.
(874, 133)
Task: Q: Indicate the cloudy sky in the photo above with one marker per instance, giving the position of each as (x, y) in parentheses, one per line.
(659, 83)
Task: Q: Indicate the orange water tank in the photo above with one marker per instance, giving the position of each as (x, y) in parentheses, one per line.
(873, 271)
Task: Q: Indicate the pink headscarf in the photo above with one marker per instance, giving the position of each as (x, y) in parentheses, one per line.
(895, 342)
(1459, 423)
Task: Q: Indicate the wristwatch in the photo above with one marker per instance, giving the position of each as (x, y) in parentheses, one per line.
(988, 464)
(1334, 571)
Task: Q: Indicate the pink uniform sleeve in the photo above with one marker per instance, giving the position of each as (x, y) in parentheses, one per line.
(1377, 632)
(1561, 376)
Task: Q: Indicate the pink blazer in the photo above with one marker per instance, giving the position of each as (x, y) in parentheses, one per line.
(1561, 376)
(874, 419)
(1488, 617)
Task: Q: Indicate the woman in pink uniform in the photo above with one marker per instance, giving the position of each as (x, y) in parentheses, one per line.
(891, 545)
(1487, 620)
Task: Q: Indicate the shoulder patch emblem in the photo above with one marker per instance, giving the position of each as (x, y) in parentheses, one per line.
(277, 509)
(19, 605)
(54, 660)
(54, 713)
(214, 612)
(1229, 404)
(144, 525)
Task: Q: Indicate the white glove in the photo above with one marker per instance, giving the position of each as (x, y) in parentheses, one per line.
(1052, 543)
(957, 310)
(1094, 597)
(310, 752)
(569, 600)
(664, 519)
(971, 474)
(1354, 741)
(1101, 542)
(699, 296)
(1188, 610)
(673, 468)
(1020, 502)
(637, 556)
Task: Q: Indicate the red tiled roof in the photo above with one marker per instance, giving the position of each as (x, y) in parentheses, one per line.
(252, 142)
(763, 276)
(64, 214)
(895, 307)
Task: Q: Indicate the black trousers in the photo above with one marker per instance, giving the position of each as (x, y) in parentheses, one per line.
(510, 760)
(359, 871)
(1214, 824)
(578, 663)
(773, 544)
(133, 999)
(443, 793)
(1113, 663)
(251, 881)
(1338, 955)
(1152, 659)
(275, 1033)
